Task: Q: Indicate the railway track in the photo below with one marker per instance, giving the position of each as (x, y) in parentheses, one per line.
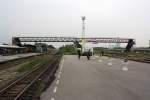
(141, 58)
(24, 87)
(9, 64)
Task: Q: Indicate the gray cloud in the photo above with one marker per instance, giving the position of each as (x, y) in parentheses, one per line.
(105, 18)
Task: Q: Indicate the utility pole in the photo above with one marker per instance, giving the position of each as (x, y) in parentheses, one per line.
(149, 43)
(83, 33)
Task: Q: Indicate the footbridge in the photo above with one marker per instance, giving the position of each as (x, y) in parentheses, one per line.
(18, 40)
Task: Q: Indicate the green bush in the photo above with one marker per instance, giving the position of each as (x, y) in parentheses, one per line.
(30, 64)
(68, 50)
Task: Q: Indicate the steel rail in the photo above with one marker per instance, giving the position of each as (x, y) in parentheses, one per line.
(17, 88)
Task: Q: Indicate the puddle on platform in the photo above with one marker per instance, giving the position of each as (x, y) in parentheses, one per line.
(109, 64)
(124, 65)
(93, 58)
(100, 60)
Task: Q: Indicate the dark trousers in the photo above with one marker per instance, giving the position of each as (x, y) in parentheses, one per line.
(79, 54)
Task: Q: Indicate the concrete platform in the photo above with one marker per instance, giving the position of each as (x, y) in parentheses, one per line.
(13, 57)
(96, 79)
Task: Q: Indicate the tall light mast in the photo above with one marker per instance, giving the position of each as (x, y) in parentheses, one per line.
(83, 33)
(149, 43)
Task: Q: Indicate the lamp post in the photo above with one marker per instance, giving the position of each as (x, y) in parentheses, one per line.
(83, 33)
(149, 43)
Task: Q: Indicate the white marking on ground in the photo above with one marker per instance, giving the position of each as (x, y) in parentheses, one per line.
(57, 82)
(100, 60)
(109, 64)
(60, 64)
(121, 60)
(58, 76)
(52, 99)
(55, 90)
(93, 58)
(125, 68)
(60, 72)
(125, 65)
(61, 67)
(96, 56)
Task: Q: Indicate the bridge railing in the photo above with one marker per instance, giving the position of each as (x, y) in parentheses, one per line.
(16, 40)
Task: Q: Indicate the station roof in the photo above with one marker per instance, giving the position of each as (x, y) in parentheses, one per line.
(11, 47)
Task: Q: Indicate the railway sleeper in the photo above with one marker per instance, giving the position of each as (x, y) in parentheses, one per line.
(30, 93)
(6, 98)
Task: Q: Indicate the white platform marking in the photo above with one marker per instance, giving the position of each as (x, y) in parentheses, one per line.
(125, 65)
(96, 56)
(55, 90)
(93, 58)
(58, 76)
(125, 68)
(52, 99)
(100, 60)
(109, 64)
(60, 72)
(57, 82)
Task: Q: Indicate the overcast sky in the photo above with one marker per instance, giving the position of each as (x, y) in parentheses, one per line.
(104, 18)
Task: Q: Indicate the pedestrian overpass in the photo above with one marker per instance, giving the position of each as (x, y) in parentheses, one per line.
(19, 40)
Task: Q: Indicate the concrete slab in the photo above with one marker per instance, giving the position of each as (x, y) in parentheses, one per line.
(93, 80)
(12, 57)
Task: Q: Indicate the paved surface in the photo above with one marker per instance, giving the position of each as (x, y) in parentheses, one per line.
(12, 57)
(99, 79)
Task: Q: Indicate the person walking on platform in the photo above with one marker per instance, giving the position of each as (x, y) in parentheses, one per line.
(102, 53)
(89, 54)
(79, 49)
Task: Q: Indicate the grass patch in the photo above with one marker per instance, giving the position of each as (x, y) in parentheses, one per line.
(30, 64)
(68, 50)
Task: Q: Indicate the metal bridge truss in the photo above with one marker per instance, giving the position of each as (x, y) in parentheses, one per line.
(16, 40)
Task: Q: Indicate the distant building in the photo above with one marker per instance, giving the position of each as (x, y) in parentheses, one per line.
(30, 48)
(41, 47)
(10, 49)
